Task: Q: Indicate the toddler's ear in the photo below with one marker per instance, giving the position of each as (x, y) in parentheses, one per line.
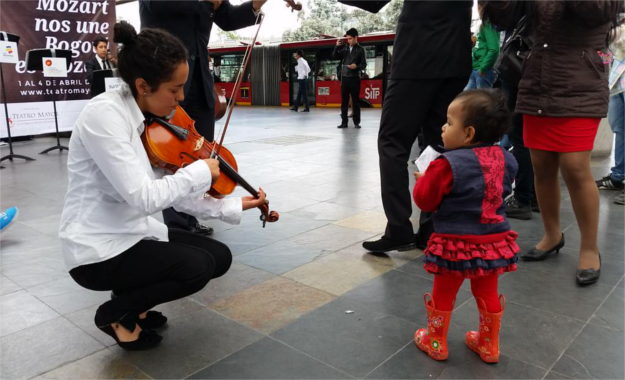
(470, 134)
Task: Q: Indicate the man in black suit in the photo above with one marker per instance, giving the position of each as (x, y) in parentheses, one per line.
(431, 65)
(191, 22)
(353, 61)
(101, 60)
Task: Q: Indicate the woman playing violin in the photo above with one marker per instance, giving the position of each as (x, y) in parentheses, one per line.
(108, 238)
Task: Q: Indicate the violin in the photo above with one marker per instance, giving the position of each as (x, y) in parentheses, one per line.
(221, 104)
(175, 143)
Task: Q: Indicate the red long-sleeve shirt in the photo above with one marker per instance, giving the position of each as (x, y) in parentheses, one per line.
(437, 182)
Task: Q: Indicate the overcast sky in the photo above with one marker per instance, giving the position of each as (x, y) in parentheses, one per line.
(278, 19)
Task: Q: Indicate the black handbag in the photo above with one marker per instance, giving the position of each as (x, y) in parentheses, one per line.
(509, 64)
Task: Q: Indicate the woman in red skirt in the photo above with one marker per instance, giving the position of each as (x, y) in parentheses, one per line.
(563, 94)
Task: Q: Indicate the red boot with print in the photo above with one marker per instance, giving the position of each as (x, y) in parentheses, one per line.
(486, 342)
(433, 339)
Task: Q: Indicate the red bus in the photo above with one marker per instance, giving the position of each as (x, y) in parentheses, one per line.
(271, 78)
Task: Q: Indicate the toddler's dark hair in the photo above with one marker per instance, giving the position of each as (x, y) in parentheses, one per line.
(487, 112)
(152, 55)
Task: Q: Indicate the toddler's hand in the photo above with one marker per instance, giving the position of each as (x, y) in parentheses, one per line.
(418, 175)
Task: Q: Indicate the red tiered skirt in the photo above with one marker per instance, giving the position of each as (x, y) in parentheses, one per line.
(471, 256)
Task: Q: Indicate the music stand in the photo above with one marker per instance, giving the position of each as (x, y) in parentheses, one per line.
(98, 82)
(12, 38)
(34, 62)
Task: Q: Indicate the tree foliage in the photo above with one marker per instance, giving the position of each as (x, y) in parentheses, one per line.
(329, 18)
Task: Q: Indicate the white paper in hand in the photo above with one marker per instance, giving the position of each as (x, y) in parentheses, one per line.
(426, 157)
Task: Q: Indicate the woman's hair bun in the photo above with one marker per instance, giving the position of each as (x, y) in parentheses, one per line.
(124, 33)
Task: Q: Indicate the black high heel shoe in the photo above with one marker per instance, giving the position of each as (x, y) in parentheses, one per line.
(536, 254)
(147, 339)
(588, 276)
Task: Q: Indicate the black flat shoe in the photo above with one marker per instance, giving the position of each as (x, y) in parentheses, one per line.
(588, 276)
(536, 254)
(153, 320)
(147, 339)
(342, 126)
(357, 126)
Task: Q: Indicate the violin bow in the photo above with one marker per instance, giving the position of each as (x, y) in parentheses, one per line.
(237, 86)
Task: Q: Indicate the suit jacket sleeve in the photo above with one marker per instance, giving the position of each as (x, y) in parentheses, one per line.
(232, 17)
(372, 6)
(89, 67)
(172, 6)
(362, 60)
(338, 52)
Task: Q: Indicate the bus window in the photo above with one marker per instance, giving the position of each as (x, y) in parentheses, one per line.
(227, 68)
(328, 66)
(390, 61)
(285, 60)
(375, 62)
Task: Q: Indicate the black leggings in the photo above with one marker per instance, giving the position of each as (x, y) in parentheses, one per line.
(154, 272)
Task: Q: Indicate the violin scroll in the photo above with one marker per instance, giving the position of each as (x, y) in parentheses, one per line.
(295, 5)
(267, 215)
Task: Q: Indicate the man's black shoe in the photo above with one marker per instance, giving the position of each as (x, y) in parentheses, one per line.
(293, 109)
(385, 245)
(357, 126)
(342, 126)
(516, 210)
(306, 111)
(201, 229)
(535, 207)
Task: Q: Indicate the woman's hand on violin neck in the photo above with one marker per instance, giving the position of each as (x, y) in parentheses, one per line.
(251, 202)
(216, 3)
(213, 165)
(257, 4)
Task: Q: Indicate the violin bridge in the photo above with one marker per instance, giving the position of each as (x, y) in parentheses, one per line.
(198, 144)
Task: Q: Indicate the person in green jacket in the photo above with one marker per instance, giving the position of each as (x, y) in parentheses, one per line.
(485, 53)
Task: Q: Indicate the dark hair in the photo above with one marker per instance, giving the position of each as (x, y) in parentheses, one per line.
(487, 112)
(99, 39)
(300, 53)
(152, 55)
(352, 33)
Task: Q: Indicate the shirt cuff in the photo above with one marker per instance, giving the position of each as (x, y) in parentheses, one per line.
(201, 175)
(232, 210)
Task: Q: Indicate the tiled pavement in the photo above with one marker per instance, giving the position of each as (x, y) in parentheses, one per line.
(280, 313)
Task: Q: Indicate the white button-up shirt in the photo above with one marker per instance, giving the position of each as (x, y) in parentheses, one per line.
(113, 188)
(302, 68)
(101, 62)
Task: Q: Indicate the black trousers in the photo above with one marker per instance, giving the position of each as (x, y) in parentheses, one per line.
(153, 272)
(195, 105)
(410, 107)
(302, 91)
(350, 86)
(524, 182)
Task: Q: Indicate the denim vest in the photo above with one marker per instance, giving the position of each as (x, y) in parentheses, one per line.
(482, 179)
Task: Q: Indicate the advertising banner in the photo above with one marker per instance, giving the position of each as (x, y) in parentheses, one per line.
(51, 24)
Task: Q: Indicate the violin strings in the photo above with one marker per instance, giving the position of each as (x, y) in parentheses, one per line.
(248, 50)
